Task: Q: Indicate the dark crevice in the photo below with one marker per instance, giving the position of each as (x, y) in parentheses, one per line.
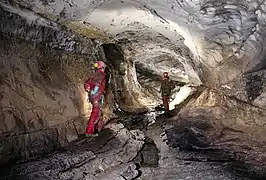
(115, 58)
(148, 156)
(254, 86)
(192, 138)
(139, 172)
(134, 121)
(123, 177)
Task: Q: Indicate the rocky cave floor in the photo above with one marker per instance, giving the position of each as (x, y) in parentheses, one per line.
(129, 148)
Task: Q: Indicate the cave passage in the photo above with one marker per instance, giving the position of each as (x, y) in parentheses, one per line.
(214, 53)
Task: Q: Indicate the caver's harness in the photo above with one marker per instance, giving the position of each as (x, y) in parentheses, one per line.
(99, 102)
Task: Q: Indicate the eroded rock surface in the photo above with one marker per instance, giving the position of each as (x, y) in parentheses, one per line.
(107, 156)
(220, 128)
(249, 88)
(115, 152)
(227, 37)
(218, 45)
(43, 105)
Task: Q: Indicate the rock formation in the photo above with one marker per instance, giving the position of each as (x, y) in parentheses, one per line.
(215, 48)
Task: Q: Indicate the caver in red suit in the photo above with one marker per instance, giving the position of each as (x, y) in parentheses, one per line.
(166, 87)
(95, 86)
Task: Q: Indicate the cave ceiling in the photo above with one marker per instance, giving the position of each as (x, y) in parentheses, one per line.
(227, 37)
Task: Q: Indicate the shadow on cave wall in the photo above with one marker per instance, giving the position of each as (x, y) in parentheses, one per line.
(122, 83)
(204, 139)
(114, 57)
(254, 86)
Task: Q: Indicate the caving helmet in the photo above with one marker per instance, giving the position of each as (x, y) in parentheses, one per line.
(99, 65)
(165, 74)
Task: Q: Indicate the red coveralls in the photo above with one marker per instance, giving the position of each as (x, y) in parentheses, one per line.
(96, 119)
(165, 102)
(166, 87)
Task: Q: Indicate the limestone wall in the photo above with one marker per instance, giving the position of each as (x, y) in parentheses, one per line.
(42, 69)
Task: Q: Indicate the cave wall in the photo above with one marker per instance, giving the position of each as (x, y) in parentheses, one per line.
(227, 36)
(152, 54)
(124, 85)
(249, 88)
(235, 129)
(42, 100)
